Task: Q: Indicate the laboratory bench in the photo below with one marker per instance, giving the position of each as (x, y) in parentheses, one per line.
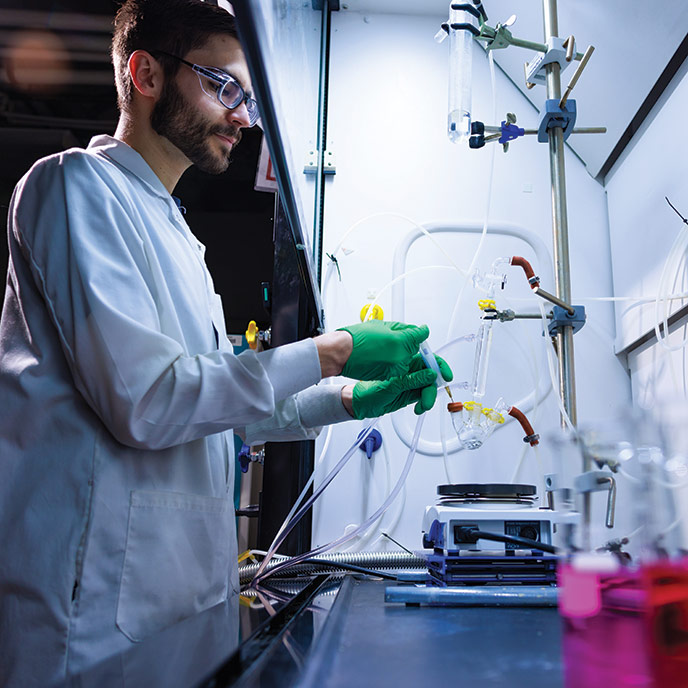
(332, 632)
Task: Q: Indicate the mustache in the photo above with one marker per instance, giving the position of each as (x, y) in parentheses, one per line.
(228, 132)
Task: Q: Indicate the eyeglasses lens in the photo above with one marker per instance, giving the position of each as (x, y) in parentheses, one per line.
(230, 94)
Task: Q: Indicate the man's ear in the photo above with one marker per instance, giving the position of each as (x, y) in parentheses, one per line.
(146, 74)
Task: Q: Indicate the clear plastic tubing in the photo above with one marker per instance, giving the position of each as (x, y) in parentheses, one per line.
(431, 363)
(286, 529)
(483, 345)
(460, 76)
(363, 527)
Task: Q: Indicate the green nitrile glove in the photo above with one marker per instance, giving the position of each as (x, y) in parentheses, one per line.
(377, 397)
(382, 350)
(428, 395)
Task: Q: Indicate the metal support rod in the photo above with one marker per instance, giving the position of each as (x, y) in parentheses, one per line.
(576, 75)
(560, 223)
(531, 132)
(489, 34)
(564, 339)
(319, 219)
(553, 299)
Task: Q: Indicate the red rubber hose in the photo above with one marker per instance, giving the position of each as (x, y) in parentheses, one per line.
(530, 437)
(527, 268)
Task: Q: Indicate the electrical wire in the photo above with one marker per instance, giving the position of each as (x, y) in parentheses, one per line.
(474, 534)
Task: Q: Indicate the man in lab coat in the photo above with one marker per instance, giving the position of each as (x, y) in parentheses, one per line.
(118, 387)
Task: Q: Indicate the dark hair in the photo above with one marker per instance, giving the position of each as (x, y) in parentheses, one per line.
(172, 26)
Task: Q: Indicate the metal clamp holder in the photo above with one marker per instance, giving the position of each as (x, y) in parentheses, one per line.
(510, 132)
(505, 132)
(562, 318)
(554, 116)
(596, 481)
(508, 315)
(559, 50)
(247, 456)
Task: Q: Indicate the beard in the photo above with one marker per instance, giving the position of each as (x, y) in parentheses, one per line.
(175, 119)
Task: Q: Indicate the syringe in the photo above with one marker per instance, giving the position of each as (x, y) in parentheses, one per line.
(431, 362)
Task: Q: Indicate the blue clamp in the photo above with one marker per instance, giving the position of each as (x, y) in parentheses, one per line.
(562, 318)
(434, 538)
(371, 443)
(510, 132)
(244, 457)
(554, 116)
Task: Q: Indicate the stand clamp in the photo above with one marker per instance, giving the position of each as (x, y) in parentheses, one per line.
(562, 318)
(555, 116)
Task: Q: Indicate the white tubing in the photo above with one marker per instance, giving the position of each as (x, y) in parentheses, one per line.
(638, 299)
(677, 254)
(552, 375)
(418, 226)
(311, 479)
(401, 278)
(286, 529)
(363, 541)
(443, 442)
(323, 548)
(433, 448)
(490, 179)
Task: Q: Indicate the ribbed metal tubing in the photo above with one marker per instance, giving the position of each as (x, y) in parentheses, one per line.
(368, 560)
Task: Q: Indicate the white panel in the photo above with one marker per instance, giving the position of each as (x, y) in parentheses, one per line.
(658, 373)
(387, 125)
(633, 43)
(643, 227)
(659, 379)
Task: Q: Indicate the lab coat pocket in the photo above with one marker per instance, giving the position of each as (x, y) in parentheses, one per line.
(176, 562)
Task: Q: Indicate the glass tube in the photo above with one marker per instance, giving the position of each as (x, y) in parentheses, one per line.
(482, 357)
(460, 82)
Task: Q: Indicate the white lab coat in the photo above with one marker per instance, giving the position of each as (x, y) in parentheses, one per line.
(118, 392)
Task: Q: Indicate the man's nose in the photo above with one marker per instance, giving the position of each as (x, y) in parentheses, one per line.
(239, 115)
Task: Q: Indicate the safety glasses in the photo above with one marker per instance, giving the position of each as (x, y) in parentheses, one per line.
(218, 84)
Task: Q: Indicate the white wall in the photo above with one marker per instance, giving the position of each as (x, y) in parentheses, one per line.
(632, 41)
(387, 128)
(644, 231)
(643, 227)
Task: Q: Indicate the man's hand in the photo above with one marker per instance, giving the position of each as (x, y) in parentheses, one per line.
(382, 350)
(375, 398)
(429, 394)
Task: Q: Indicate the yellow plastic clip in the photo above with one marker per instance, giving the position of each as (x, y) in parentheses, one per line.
(377, 313)
(487, 303)
(471, 405)
(248, 554)
(252, 335)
